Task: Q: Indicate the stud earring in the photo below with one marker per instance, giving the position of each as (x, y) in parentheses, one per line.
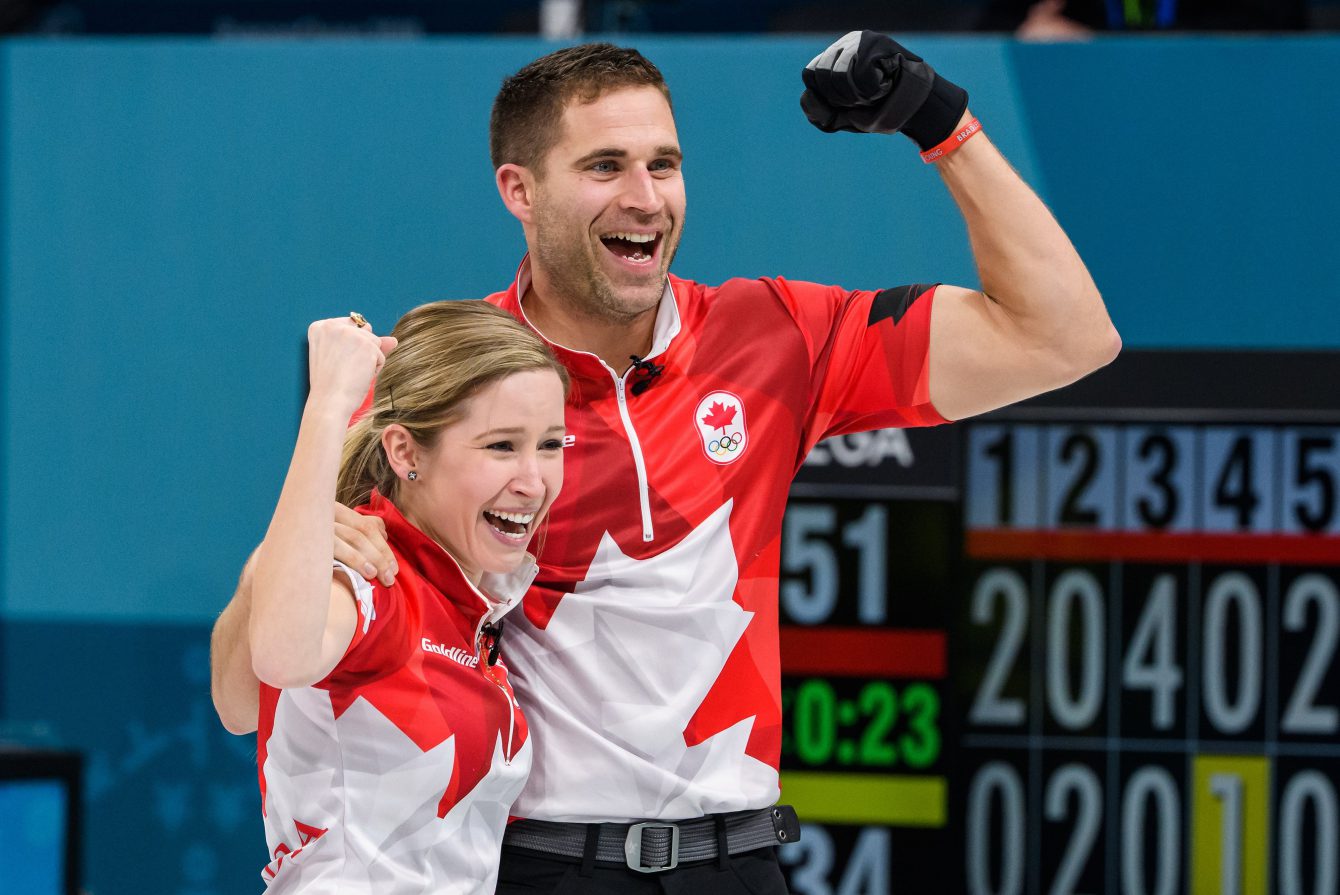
(413, 476)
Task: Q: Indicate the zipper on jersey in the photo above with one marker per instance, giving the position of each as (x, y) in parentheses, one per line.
(522, 284)
(512, 708)
(483, 649)
(638, 462)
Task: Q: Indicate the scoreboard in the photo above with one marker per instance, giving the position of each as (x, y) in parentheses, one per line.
(1084, 645)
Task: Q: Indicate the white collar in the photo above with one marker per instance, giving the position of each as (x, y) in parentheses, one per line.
(503, 591)
(662, 332)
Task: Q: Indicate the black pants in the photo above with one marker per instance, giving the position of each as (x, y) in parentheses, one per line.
(526, 872)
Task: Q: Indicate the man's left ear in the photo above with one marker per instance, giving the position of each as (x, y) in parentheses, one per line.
(516, 186)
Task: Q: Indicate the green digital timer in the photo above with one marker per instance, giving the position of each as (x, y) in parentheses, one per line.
(877, 725)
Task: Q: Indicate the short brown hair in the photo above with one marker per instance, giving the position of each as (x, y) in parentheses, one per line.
(529, 107)
(448, 351)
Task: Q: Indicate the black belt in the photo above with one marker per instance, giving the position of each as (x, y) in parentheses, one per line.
(653, 846)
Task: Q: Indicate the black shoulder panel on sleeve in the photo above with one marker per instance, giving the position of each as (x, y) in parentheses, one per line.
(893, 303)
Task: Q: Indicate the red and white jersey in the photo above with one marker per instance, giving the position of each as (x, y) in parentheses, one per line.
(647, 658)
(395, 773)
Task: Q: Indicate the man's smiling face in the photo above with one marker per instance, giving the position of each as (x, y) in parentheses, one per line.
(609, 206)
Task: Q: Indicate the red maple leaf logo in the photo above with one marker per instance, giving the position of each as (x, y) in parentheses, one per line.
(719, 416)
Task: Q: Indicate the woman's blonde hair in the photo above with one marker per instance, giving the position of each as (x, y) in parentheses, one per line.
(447, 352)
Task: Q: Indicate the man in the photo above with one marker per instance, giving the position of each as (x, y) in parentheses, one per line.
(647, 660)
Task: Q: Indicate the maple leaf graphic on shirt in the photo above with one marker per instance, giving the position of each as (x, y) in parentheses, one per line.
(612, 682)
(719, 416)
(382, 802)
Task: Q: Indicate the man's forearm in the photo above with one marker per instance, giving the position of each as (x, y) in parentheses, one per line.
(1026, 263)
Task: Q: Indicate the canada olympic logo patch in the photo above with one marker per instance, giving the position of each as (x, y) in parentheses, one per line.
(720, 422)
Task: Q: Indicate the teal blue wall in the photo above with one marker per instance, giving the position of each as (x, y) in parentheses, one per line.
(175, 212)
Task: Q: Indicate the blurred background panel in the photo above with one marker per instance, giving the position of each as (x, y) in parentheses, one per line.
(411, 17)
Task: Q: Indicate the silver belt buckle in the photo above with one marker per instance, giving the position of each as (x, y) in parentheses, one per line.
(632, 847)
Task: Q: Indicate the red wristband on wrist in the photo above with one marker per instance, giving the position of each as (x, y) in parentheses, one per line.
(954, 141)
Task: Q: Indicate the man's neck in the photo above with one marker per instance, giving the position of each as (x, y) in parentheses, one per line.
(612, 341)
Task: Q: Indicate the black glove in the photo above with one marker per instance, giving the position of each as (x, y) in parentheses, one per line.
(867, 82)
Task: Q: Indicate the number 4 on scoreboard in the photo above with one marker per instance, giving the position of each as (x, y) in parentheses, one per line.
(1151, 658)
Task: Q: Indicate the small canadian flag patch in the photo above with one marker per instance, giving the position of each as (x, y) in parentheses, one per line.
(720, 421)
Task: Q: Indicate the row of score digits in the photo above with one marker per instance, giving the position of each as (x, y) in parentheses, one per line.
(1188, 478)
(1211, 652)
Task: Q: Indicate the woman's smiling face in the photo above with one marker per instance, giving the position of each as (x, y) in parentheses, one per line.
(486, 483)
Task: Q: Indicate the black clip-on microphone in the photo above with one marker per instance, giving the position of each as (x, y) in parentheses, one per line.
(494, 632)
(647, 370)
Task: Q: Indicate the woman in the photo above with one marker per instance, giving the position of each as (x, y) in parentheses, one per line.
(390, 745)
